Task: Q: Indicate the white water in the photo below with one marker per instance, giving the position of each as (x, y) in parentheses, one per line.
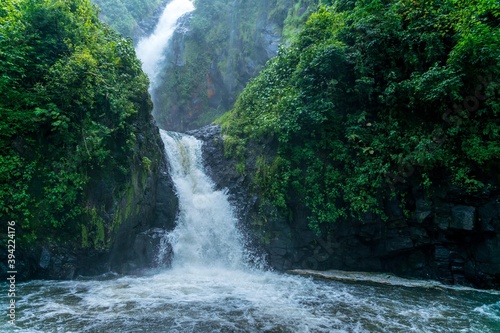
(206, 231)
(211, 299)
(151, 50)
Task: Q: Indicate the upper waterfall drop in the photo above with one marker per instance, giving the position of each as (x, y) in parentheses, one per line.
(150, 50)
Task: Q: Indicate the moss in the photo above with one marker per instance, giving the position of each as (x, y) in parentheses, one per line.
(295, 19)
(125, 15)
(100, 237)
(117, 220)
(129, 198)
(146, 163)
(234, 147)
(96, 235)
(85, 237)
(227, 44)
(240, 167)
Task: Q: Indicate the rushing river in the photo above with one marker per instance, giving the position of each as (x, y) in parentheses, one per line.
(216, 299)
(210, 288)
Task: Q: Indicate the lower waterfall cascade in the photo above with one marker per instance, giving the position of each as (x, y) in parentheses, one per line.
(206, 232)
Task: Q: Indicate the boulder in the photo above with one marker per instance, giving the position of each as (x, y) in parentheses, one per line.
(463, 217)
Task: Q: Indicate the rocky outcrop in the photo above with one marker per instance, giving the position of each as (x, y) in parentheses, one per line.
(115, 192)
(137, 240)
(221, 169)
(453, 237)
(134, 19)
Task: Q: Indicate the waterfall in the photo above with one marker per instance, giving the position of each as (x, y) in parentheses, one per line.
(206, 232)
(151, 50)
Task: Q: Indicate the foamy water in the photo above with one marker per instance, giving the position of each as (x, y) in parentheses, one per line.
(215, 299)
(206, 230)
(151, 50)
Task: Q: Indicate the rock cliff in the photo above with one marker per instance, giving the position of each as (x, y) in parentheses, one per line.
(215, 51)
(87, 183)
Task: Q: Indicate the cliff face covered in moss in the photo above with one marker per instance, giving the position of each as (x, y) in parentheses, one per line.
(215, 51)
(131, 18)
(80, 157)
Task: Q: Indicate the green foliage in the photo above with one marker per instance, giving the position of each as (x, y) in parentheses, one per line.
(71, 93)
(296, 15)
(368, 97)
(125, 15)
(146, 162)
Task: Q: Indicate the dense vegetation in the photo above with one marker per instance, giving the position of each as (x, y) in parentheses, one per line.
(125, 16)
(72, 97)
(373, 96)
(220, 47)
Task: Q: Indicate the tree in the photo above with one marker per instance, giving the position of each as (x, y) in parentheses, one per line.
(72, 93)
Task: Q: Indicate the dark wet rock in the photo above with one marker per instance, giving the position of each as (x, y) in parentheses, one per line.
(463, 217)
(136, 240)
(271, 39)
(44, 259)
(150, 249)
(489, 216)
(52, 263)
(126, 242)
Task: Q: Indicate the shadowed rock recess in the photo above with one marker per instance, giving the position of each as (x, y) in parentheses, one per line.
(454, 238)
